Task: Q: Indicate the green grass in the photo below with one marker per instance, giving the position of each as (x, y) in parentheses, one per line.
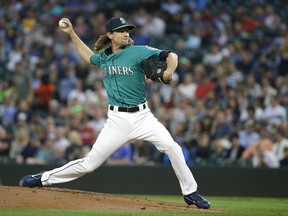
(234, 206)
(239, 206)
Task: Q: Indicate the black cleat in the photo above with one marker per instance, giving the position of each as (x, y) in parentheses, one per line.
(31, 181)
(196, 199)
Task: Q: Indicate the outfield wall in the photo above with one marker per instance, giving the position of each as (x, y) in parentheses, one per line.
(212, 181)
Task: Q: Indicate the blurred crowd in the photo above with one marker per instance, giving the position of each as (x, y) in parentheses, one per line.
(227, 104)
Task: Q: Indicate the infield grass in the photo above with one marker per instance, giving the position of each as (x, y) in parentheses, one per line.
(234, 206)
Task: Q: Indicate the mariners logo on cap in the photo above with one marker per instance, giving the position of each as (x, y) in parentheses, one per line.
(117, 23)
(123, 21)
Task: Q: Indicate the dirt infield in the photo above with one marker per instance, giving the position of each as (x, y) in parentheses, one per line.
(55, 198)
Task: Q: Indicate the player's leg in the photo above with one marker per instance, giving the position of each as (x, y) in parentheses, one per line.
(153, 131)
(114, 134)
(150, 129)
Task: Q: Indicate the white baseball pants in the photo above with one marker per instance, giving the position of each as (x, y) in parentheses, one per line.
(120, 128)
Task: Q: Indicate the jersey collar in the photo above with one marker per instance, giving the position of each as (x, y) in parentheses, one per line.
(108, 51)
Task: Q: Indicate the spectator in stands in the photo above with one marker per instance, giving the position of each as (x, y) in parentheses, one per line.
(7, 90)
(37, 125)
(30, 150)
(174, 24)
(260, 153)
(202, 153)
(236, 150)
(121, 157)
(37, 76)
(81, 28)
(234, 76)
(14, 56)
(247, 23)
(68, 83)
(24, 107)
(204, 87)
(281, 142)
(61, 141)
(22, 83)
(98, 119)
(283, 57)
(272, 19)
(265, 158)
(284, 161)
(20, 140)
(193, 134)
(184, 66)
(100, 92)
(20, 123)
(171, 6)
(3, 54)
(261, 67)
(46, 154)
(188, 87)
(197, 4)
(281, 85)
(53, 110)
(210, 100)
(77, 93)
(143, 153)
(248, 135)
(50, 128)
(4, 144)
(284, 103)
(233, 111)
(268, 90)
(80, 124)
(206, 123)
(155, 26)
(74, 151)
(259, 16)
(275, 113)
(8, 111)
(194, 39)
(139, 37)
(221, 127)
(44, 93)
(248, 114)
(168, 94)
(214, 56)
(254, 89)
(64, 117)
(221, 148)
(259, 109)
(222, 87)
(29, 21)
(97, 23)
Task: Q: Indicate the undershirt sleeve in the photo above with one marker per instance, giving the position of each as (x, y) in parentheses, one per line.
(163, 55)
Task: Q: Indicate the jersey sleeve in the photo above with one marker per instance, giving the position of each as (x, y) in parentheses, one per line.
(148, 51)
(95, 59)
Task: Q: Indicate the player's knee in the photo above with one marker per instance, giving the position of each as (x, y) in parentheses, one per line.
(90, 167)
(174, 147)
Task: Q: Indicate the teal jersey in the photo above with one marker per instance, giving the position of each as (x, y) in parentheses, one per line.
(124, 79)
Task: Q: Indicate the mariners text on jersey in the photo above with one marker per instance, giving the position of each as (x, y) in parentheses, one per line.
(121, 70)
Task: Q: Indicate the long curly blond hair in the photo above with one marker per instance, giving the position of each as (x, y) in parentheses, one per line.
(104, 41)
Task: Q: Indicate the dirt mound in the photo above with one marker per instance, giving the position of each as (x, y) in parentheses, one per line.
(55, 198)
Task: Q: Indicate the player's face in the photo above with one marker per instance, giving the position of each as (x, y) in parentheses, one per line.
(120, 37)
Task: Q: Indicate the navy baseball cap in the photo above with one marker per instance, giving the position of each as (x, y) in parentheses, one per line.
(117, 23)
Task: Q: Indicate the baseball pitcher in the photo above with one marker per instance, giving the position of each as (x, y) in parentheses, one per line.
(125, 67)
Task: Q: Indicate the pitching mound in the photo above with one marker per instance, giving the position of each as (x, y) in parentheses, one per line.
(55, 198)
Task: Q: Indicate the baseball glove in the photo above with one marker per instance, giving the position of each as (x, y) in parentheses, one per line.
(154, 69)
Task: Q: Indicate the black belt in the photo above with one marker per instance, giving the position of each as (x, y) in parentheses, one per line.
(128, 109)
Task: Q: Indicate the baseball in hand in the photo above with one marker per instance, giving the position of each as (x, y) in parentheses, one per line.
(62, 24)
